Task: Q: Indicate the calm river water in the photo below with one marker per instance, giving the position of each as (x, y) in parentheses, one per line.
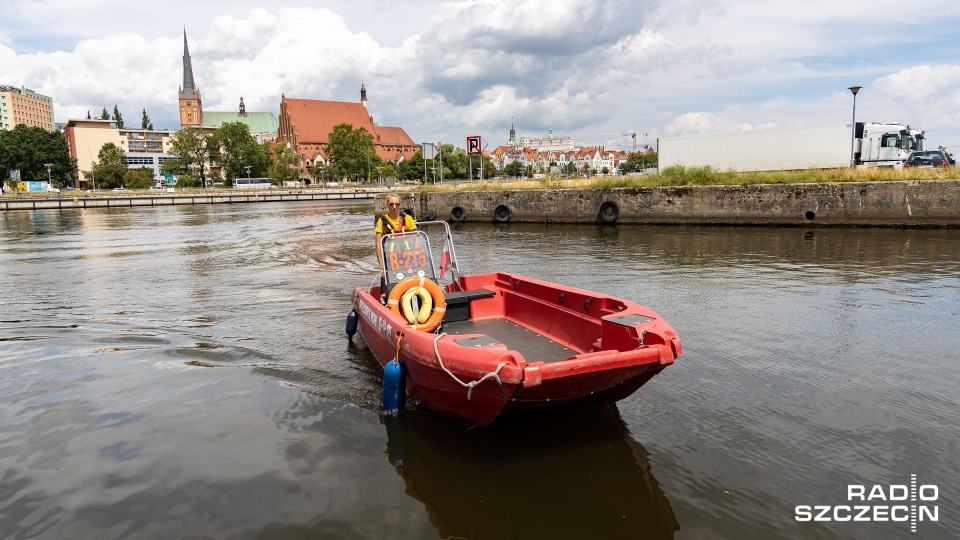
(182, 372)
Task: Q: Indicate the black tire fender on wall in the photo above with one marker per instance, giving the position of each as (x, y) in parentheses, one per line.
(609, 212)
(501, 214)
(458, 214)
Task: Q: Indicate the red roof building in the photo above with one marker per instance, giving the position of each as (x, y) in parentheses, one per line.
(305, 125)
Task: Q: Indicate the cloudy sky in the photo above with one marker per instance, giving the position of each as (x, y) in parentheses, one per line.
(591, 69)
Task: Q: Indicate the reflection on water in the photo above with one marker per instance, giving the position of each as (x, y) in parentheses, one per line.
(567, 472)
(183, 372)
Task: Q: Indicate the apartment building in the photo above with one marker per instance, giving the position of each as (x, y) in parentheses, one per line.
(146, 148)
(142, 147)
(24, 106)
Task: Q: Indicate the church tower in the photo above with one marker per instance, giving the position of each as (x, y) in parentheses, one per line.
(363, 95)
(191, 108)
(513, 134)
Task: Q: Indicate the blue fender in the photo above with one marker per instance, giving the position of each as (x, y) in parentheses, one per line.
(352, 322)
(394, 386)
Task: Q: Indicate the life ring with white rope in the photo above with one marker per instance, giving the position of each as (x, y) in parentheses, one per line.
(433, 303)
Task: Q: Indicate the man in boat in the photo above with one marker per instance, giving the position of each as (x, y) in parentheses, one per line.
(394, 221)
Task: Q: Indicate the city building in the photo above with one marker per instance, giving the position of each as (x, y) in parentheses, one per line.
(550, 143)
(24, 106)
(141, 147)
(146, 148)
(305, 126)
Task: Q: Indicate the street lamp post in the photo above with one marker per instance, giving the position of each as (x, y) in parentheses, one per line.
(853, 125)
(92, 176)
(49, 181)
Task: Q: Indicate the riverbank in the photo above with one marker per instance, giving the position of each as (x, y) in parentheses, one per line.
(910, 203)
(891, 203)
(115, 200)
(679, 175)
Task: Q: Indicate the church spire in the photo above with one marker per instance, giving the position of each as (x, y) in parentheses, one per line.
(513, 133)
(191, 107)
(189, 88)
(363, 94)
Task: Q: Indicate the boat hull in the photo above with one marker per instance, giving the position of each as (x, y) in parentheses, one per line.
(525, 343)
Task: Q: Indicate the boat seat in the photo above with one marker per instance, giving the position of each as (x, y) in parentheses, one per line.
(458, 303)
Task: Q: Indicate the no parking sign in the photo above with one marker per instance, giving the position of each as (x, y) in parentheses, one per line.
(473, 144)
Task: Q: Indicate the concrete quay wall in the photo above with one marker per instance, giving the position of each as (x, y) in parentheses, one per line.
(926, 203)
(177, 199)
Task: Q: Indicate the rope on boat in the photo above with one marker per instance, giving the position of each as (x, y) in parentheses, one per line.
(396, 356)
(470, 386)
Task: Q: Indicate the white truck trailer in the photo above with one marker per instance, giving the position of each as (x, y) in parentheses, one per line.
(783, 149)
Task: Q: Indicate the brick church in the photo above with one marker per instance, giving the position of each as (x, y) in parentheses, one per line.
(304, 124)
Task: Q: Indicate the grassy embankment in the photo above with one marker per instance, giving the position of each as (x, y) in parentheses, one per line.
(705, 176)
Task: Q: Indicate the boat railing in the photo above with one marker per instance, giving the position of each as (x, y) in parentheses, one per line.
(448, 256)
(410, 253)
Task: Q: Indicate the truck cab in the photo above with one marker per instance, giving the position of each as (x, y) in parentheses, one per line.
(886, 145)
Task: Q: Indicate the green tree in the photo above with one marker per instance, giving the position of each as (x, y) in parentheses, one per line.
(455, 162)
(637, 161)
(515, 168)
(234, 148)
(173, 166)
(29, 149)
(351, 152)
(285, 165)
(141, 178)
(145, 122)
(107, 175)
(651, 160)
(412, 169)
(118, 117)
(111, 153)
(104, 115)
(190, 146)
(389, 170)
(111, 167)
(318, 173)
(489, 170)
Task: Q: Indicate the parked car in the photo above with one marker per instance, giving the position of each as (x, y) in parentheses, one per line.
(949, 157)
(927, 159)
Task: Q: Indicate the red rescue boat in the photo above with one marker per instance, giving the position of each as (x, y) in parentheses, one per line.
(485, 343)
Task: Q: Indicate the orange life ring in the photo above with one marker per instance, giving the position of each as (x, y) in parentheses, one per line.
(439, 302)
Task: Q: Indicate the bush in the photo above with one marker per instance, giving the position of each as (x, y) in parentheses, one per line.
(139, 179)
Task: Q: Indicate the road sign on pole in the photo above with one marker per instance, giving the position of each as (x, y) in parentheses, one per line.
(473, 145)
(429, 150)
